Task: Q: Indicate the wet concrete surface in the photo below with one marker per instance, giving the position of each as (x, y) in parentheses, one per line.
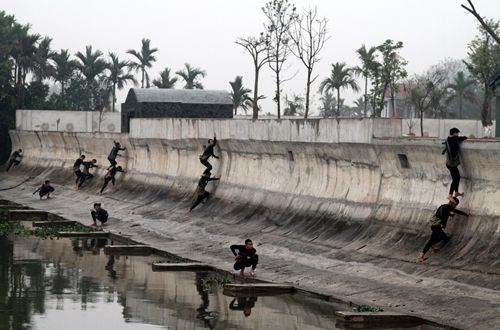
(70, 283)
(447, 296)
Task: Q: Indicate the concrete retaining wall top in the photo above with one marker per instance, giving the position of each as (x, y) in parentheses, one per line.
(68, 121)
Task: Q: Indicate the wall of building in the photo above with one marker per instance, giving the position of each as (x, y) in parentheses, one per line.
(68, 121)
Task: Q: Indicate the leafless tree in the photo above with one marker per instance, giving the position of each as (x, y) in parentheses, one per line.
(308, 34)
(280, 15)
(258, 48)
(486, 26)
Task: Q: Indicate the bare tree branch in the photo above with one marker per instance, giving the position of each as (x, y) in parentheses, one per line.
(473, 11)
(308, 35)
(258, 50)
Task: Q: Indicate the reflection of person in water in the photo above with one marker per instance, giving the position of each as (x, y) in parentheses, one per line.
(202, 311)
(109, 267)
(244, 304)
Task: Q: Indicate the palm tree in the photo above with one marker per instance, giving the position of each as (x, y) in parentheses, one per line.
(91, 64)
(144, 59)
(63, 68)
(341, 77)
(327, 107)
(23, 54)
(165, 81)
(190, 75)
(239, 94)
(367, 58)
(118, 78)
(294, 105)
(42, 66)
(461, 86)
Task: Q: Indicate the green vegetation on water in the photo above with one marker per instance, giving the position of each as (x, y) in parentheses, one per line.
(15, 228)
(368, 308)
(214, 281)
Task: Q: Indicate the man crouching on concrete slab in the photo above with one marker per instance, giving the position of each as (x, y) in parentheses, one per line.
(45, 189)
(98, 213)
(246, 257)
(438, 223)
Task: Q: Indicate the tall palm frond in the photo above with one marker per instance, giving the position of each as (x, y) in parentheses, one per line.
(191, 76)
(144, 59)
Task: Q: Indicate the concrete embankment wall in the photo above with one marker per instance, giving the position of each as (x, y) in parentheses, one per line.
(353, 185)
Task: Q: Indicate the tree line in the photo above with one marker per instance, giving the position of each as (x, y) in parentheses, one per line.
(89, 79)
(451, 84)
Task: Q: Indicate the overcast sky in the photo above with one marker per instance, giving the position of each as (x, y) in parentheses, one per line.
(202, 33)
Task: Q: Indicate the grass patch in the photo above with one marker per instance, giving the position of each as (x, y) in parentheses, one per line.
(212, 281)
(368, 308)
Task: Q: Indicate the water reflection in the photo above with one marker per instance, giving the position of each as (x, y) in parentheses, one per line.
(70, 283)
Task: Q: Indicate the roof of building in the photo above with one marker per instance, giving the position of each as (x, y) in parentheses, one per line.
(402, 90)
(191, 96)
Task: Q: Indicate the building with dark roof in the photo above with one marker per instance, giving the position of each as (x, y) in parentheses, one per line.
(178, 103)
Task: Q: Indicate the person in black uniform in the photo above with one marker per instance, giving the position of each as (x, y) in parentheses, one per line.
(86, 175)
(15, 158)
(76, 168)
(438, 223)
(209, 152)
(200, 190)
(110, 176)
(45, 189)
(452, 146)
(114, 153)
(245, 257)
(98, 213)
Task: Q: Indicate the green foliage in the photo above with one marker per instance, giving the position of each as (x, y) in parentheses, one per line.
(462, 87)
(386, 74)
(294, 106)
(165, 80)
(341, 77)
(327, 108)
(144, 59)
(427, 92)
(239, 94)
(484, 64)
(118, 78)
(192, 76)
(15, 228)
(368, 308)
(215, 280)
(368, 63)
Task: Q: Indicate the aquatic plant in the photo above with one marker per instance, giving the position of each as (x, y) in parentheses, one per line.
(15, 228)
(214, 281)
(368, 308)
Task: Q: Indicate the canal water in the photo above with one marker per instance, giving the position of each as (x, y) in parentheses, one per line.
(71, 284)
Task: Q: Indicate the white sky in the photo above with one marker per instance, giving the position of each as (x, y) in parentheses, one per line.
(202, 33)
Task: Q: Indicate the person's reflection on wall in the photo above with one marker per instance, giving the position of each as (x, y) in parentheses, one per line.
(244, 304)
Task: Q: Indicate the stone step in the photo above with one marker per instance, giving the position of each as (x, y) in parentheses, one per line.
(26, 215)
(93, 234)
(180, 267)
(256, 288)
(372, 317)
(128, 250)
(61, 223)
